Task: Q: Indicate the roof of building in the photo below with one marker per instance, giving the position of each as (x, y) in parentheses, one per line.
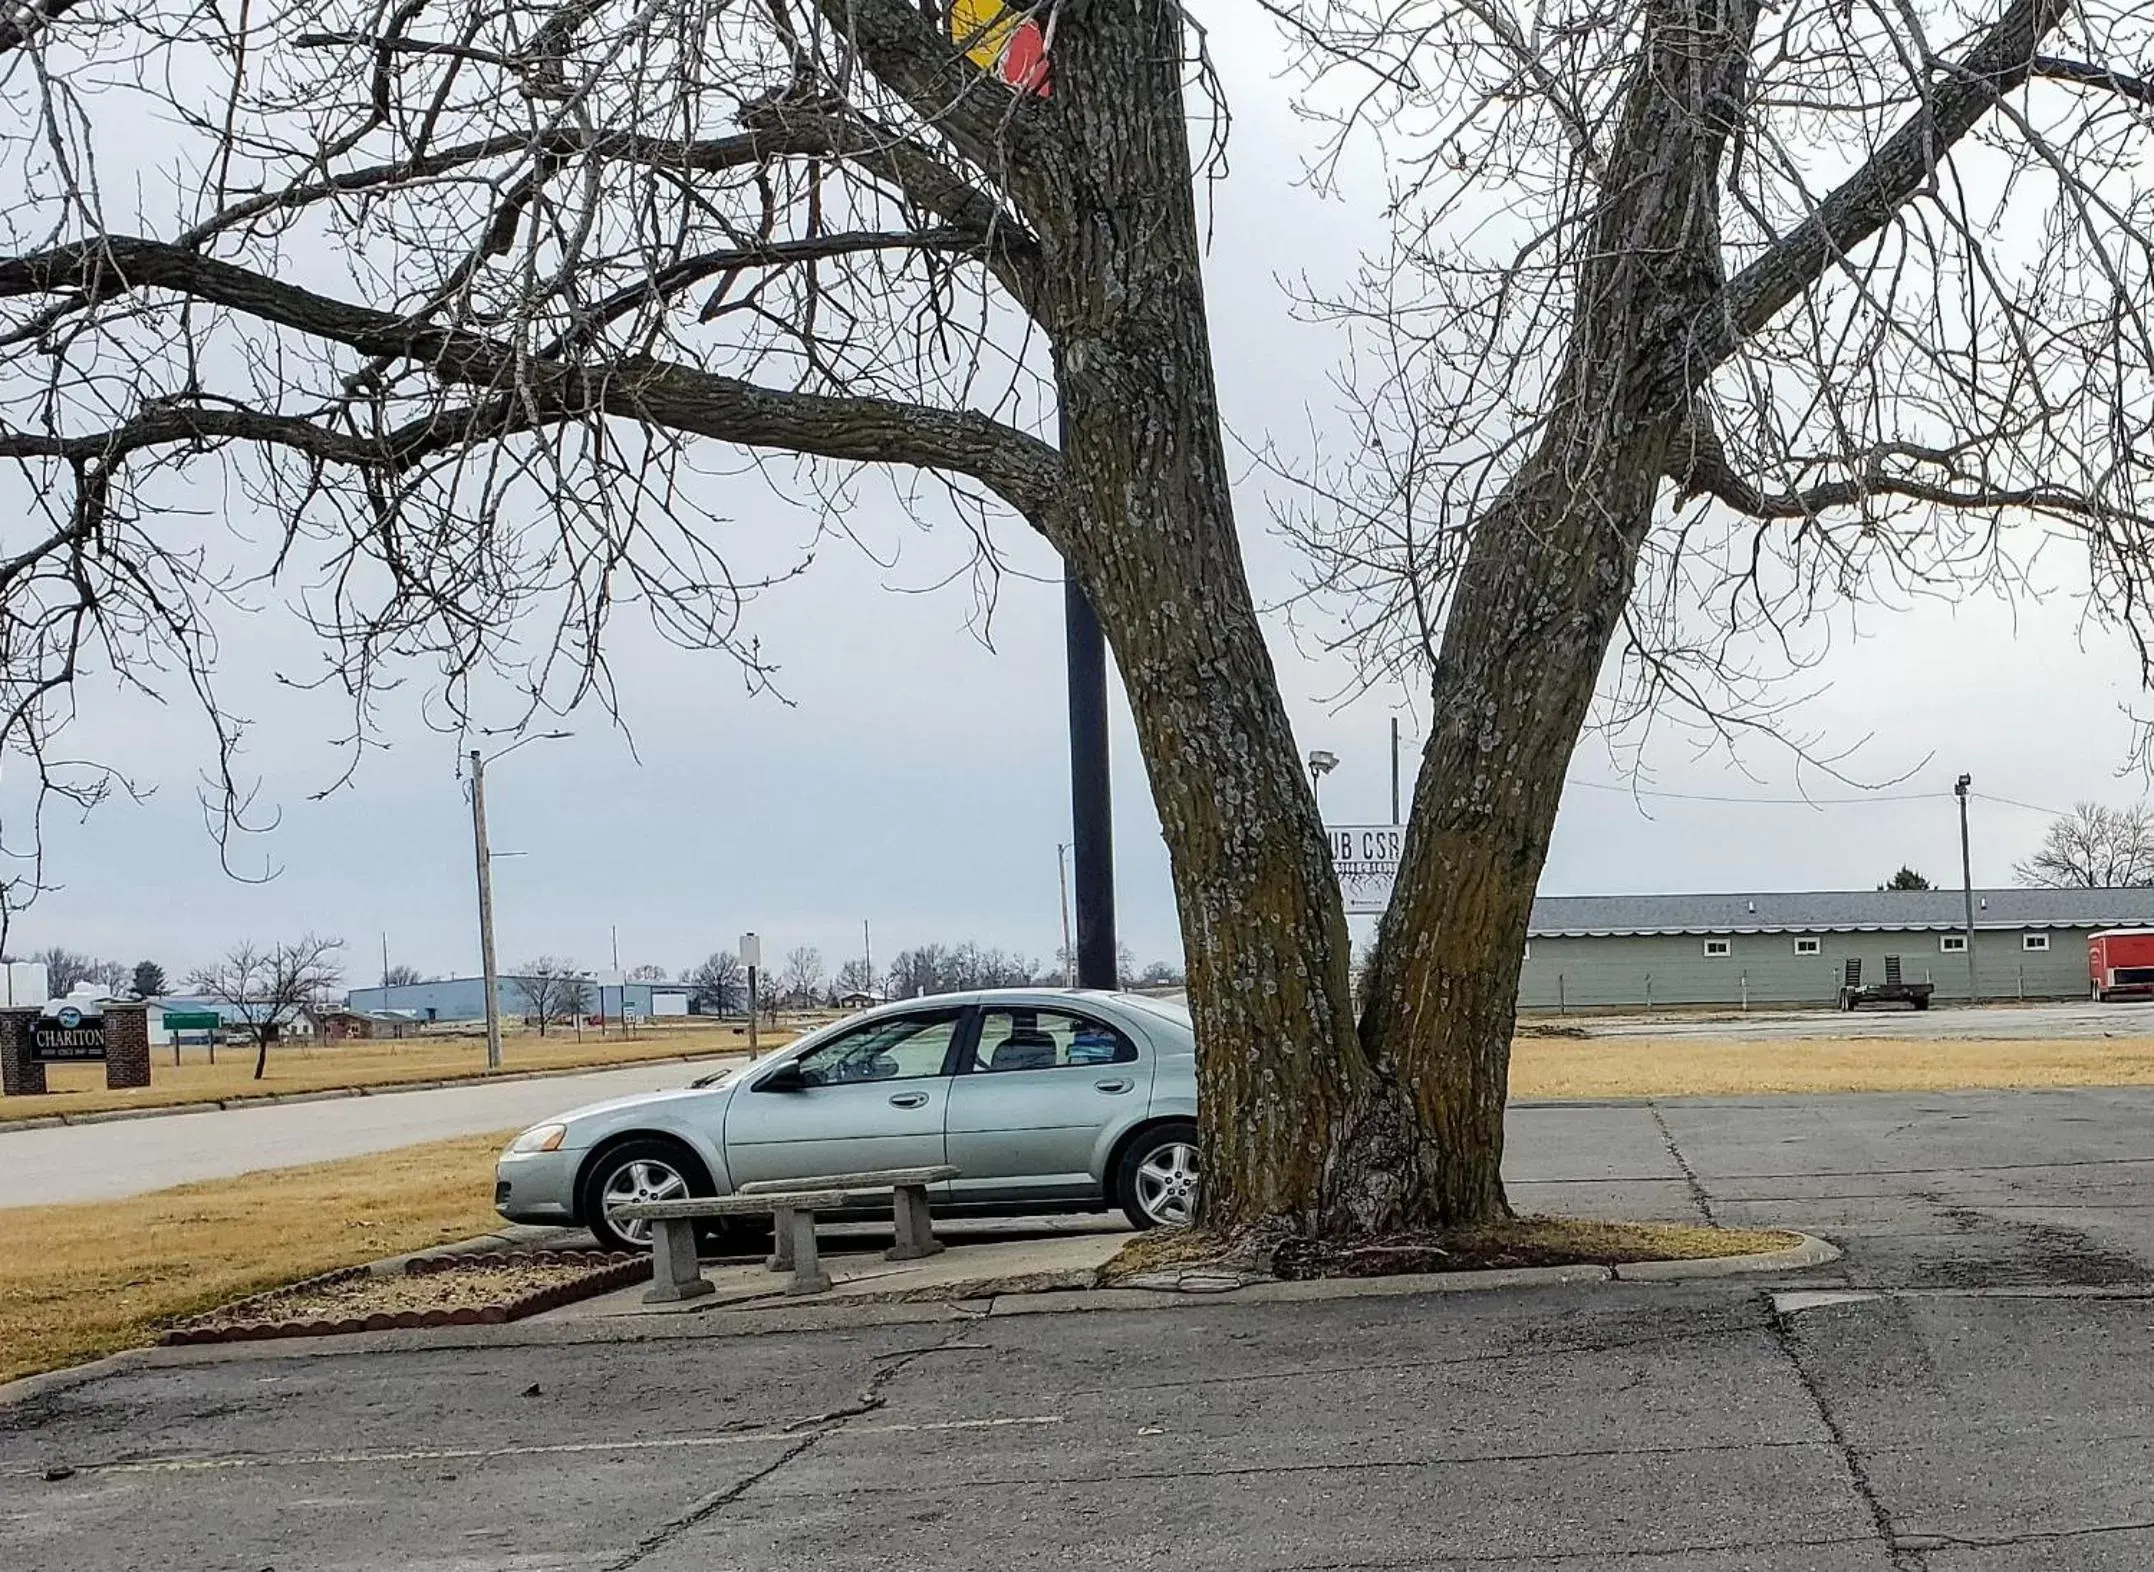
(1836, 911)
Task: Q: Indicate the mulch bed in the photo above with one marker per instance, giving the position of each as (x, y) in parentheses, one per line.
(452, 1290)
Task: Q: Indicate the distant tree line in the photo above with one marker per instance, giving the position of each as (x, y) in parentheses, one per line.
(66, 970)
(719, 984)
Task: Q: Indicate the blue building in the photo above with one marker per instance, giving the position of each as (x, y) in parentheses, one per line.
(464, 999)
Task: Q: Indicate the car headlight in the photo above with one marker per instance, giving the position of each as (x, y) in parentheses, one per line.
(540, 1138)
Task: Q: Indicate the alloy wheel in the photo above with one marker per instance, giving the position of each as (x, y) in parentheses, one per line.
(645, 1179)
(1167, 1184)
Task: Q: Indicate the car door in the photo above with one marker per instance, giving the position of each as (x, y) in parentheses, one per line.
(876, 1098)
(1037, 1087)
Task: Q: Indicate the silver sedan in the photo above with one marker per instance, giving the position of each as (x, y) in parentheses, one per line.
(1042, 1099)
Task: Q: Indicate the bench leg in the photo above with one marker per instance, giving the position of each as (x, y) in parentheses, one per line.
(808, 1275)
(780, 1258)
(915, 1230)
(675, 1272)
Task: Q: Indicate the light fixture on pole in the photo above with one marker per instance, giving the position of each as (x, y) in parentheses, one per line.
(1321, 763)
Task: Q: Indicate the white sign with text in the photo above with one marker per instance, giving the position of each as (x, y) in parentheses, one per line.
(1366, 858)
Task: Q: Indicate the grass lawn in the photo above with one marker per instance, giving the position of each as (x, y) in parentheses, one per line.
(296, 1067)
(80, 1281)
(1702, 1067)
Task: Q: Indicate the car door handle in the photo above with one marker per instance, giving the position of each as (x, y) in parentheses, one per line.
(909, 1100)
(1119, 1085)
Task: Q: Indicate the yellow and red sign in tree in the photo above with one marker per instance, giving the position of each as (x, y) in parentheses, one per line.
(1004, 40)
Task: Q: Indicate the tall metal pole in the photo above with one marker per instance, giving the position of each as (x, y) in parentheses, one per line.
(867, 955)
(1395, 770)
(1959, 790)
(1062, 876)
(1091, 815)
(486, 910)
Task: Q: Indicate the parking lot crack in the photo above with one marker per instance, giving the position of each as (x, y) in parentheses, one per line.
(1698, 1197)
(1905, 1556)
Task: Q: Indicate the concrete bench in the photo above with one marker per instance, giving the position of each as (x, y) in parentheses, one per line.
(676, 1274)
(908, 1207)
(791, 1204)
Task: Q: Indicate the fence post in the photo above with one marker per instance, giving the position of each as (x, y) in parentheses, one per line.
(1563, 1006)
(1745, 980)
(1649, 990)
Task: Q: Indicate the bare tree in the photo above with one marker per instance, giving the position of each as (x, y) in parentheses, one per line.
(854, 976)
(400, 976)
(1160, 974)
(801, 976)
(64, 969)
(1701, 317)
(2094, 847)
(112, 976)
(720, 984)
(647, 973)
(266, 987)
(553, 990)
(430, 276)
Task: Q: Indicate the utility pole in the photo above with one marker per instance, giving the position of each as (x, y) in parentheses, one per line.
(1395, 819)
(751, 956)
(486, 910)
(385, 964)
(1091, 813)
(867, 955)
(1069, 956)
(1959, 790)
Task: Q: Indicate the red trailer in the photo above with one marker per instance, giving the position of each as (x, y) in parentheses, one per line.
(2120, 964)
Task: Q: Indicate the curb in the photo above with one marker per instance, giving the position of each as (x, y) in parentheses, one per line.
(1198, 1283)
(332, 1093)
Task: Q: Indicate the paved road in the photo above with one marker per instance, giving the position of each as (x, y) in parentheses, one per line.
(1970, 1391)
(96, 1162)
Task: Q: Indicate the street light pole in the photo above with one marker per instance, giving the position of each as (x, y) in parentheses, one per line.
(1069, 956)
(1959, 790)
(1395, 819)
(486, 910)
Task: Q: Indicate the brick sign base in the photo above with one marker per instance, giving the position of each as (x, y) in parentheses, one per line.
(127, 1050)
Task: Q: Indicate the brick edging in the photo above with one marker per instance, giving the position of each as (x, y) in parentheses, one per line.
(606, 1272)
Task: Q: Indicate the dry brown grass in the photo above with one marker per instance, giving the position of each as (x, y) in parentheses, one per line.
(80, 1281)
(1677, 1067)
(1522, 1241)
(293, 1067)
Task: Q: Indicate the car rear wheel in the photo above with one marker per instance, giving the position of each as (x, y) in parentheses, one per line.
(644, 1170)
(1157, 1184)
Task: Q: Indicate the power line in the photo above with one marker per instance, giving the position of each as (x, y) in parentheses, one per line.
(1803, 802)
(2031, 807)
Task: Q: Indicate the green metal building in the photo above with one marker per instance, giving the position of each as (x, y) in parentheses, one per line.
(1641, 951)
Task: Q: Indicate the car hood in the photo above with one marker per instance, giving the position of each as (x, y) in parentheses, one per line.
(637, 1100)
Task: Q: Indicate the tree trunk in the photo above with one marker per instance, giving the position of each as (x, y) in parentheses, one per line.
(1537, 601)
(261, 1051)
(1151, 537)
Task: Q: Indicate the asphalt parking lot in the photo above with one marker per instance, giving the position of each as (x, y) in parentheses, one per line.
(1970, 1390)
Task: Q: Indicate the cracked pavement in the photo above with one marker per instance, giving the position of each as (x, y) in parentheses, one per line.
(1970, 1390)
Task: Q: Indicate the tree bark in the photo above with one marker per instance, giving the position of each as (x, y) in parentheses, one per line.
(1536, 604)
(1149, 531)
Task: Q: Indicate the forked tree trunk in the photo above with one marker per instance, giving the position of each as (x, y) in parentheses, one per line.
(1537, 601)
(1151, 536)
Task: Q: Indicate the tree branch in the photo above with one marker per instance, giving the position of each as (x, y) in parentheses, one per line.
(1024, 471)
(1865, 202)
(984, 119)
(2094, 76)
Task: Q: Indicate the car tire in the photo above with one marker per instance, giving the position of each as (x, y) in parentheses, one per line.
(1156, 1181)
(649, 1167)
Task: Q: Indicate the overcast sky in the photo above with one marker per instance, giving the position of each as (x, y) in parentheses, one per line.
(918, 778)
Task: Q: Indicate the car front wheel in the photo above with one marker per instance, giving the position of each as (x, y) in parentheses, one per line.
(647, 1170)
(1157, 1184)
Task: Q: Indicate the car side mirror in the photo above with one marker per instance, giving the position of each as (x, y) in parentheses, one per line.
(786, 1078)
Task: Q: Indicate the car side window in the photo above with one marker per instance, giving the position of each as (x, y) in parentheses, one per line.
(905, 1048)
(1020, 1038)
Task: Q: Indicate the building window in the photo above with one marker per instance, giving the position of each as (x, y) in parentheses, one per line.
(2034, 941)
(1809, 946)
(1952, 943)
(1719, 947)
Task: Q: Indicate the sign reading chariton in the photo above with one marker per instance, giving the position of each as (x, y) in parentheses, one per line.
(67, 1036)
